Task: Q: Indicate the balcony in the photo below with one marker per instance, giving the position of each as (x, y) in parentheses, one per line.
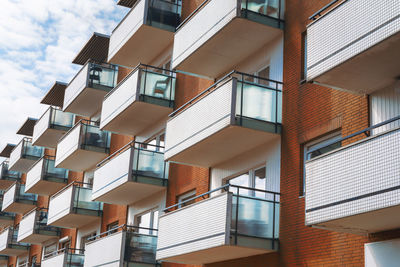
(354, 46)
(144, 97)
(72, 207)
(238, 223)
(82, 147)
(9, 245)
(133, 173)
(7, 177)
(146, 31)
(219, 35)
(24, 155)
(85, 93)
(356, 188)
(33, 228)
(6, 218)
(229, 118)
(17, 201)
(51, 127)
(44, 178)
(64, 258)
(132, 246)
(3, 260)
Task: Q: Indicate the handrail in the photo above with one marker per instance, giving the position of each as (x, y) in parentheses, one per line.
(191, 15)
(62, 251)
(81, 121)
(224, 78)
(319, 12)
(133, 71)
(126, 147)
(41, 209)
(74, 183)
(124, 227)
(224, 187)
(365, 131)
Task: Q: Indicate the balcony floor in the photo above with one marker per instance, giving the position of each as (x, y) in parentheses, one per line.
(217, 254)
(73, 220)
(49, 138)
(222, 146)
(37, 238)
(13, 251)
(369, 222)
(19, 208)
(128, 193)
(23, 165)
(136, 118)
(369, 71)
(236, 42)
(45, 188)
(6, 222)
(81, 160)
(87, 103)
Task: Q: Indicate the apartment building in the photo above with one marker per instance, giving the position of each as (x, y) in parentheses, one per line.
(216, 133)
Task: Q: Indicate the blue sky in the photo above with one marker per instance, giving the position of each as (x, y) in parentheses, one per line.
(39, 39)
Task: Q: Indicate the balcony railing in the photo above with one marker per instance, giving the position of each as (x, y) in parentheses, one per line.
(128, 245)
(82, 147)
(243, 105)
(17, 201)
(203, 42)
(53, 124)
(8, 177)
(157, 18)
(24, 155)
(33, 228)
(9, 245)
(84, 94)
(210, 229)
(146, 95)
(44, 178)
(72, 207)
(6, 218)
(134, 172)
(355, 188)
(348, 50)
(66, 257)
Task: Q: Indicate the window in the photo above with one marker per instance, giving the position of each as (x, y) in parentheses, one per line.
(263, 73)
(316, 148)
(184, 197)
(254, 178)
(304, 56)
(148, 221)
(155, 143)
(88, 177)
(112, 228)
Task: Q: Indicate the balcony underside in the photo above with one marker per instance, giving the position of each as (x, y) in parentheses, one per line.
(49, 138)
(6, 222)
(23, 165)
(45, 188)
(82, 160)
(37, 238)
(236, 42)
(136, 118)
(217, 254)
(5, 184)
(19, 208)
(74, 220)
(88, 102)
(368, 71)
(369, 222)
(142, 47)
(14, 251)
(228, 143)
(129, 192)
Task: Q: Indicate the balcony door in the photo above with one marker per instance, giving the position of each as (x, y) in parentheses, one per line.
(254, 178)
(148, 221)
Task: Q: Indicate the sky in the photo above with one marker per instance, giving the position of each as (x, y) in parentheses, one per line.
(39, 39)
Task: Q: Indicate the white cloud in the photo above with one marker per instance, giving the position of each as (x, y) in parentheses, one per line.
(39, 41)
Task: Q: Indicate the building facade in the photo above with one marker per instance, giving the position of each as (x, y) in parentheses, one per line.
(216, 133)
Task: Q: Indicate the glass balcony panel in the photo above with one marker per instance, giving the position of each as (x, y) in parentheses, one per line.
(74, 260)
(22, 196)
(149, 164)
(164, 14)
(33, 152)
(140, 248)
(157, 85)
(102, 77)
(95, 139)
(61, 120)
(54, 174)
(270, 8)
(83, 203)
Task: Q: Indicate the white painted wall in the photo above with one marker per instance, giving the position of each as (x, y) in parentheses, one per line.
(86, 230)
(154, 201)
(382, 254)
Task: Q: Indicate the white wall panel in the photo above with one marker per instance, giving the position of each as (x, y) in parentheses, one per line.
(56, 261)
(41, 125)
(382, 254)
(9, 196)
(385, 104)
(76, 86)
(200, 120)
(26, 226)
(346, 32)
(196, 227)
(124, 31)
(34, 174)
(358, 169)
(120, 98)
(201, 27)
(68, 145)
(16, 154)
(4, 239)
(60, 204)
(107, 251)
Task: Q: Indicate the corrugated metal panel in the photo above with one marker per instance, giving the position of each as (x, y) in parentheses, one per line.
(196, 227)
(55, 96)
(95, 49)
(331, 39)
(385, 104)
(200, 120)
(356, 170)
